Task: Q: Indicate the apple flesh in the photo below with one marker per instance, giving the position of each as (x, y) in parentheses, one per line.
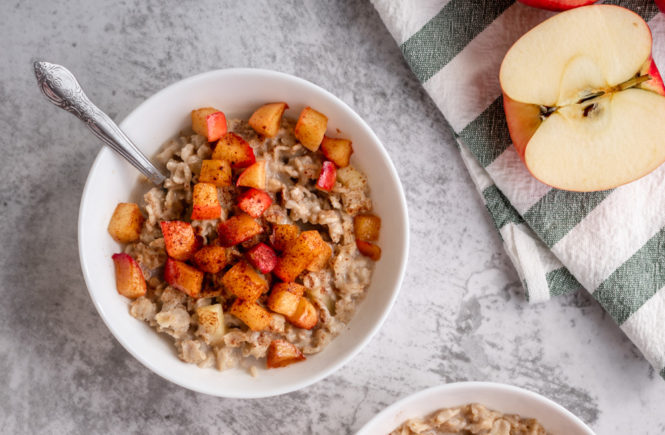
(585, 107)
(267, 118)
(254, 176)
(235, 150)
(557, 5)
(209, 122)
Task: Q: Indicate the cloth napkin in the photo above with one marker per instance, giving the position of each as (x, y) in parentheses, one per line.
(612, 243)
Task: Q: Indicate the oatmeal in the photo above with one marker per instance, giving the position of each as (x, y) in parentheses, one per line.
(260, 244)
(472, 419)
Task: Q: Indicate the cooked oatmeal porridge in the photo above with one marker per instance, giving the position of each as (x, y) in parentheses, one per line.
(260, 244)
(471, 419)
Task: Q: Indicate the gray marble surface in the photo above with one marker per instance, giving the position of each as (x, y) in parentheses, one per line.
(461, 314)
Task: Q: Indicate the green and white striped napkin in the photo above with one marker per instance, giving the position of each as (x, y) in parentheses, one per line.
(612, 243)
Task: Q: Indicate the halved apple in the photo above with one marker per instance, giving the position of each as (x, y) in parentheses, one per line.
(584, 101)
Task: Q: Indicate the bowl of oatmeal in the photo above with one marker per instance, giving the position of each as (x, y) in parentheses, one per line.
(258, 268)
(477, 408)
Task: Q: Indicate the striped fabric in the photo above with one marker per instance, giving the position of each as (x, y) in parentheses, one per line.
(611, 243)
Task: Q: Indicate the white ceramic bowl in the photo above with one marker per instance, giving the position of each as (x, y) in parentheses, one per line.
(237, 92)
(504, 398)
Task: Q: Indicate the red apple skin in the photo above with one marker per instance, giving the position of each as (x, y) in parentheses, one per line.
(557, 5)
(216, 123)
(262, 257)
(661, 5)
(656, 83)
(327, 177)
(254, 202)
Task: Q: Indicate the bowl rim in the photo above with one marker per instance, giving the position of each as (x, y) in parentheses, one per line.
(402, 210)
(454, 387)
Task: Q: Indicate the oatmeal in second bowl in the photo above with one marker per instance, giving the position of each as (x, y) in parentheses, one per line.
(238, 258)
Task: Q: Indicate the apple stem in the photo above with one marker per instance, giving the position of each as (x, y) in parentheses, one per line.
(635, 81)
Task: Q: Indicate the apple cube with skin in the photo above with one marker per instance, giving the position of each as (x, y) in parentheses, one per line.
(211, 323)
(180, 240)
(183, 277)
(337, 150)
(298, 255)
(209, 122)
(243, 281)
(262, 257)
(205, 202)
(211, 259)
(327, 176)
(306, 315)
(129, 280)
(254, 202)
(217, 172)
(237, 230)
(367, 227)
(661, 5)
(369, 249)
(282, 353)
(235, 150)
(310, 128)
(585, 111)
(267, 118)
(557, 5)
(283, 235)
(254, 176)
(252, 314)
(126, 222)
(285, 297)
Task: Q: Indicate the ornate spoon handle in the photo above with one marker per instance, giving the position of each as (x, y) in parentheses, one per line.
(60, 86)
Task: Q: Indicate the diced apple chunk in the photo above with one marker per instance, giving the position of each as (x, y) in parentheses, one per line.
(205, 202)
(310, 128)
(235, 150)
(262, 257)
(126, 222)
(267, 118)
(254, 202)
(306, 316)
(254, 176)
(217, 172)
(180, 240)
(283, 235)
(253, 315)
(237, 229)
(211, 323)
(369, 249)
(243, 281)
(285, 297)
(298, 255)
(209, 122)
(351, 177)
(211, 259)
(282, 353)
(327, 176)
(337, 150)
(323, 254)
(129, 279)
(367, 227)
(183, 277)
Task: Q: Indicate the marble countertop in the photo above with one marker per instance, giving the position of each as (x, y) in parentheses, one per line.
(461, 314)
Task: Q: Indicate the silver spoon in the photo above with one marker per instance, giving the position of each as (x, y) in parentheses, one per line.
(59, 85)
